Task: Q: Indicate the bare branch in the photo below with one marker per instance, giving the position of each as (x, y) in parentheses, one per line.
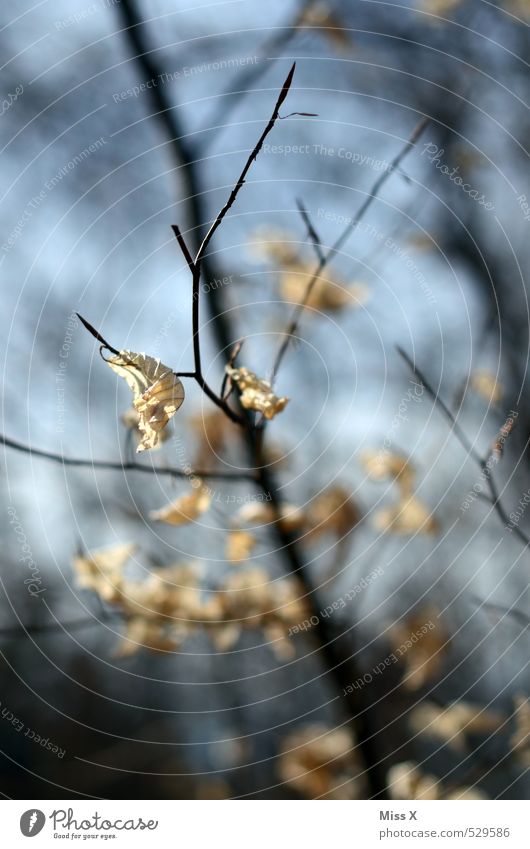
(183, 247)
(311, 232)
(485, 464)
(122, 467)
(337, 245)
(240, 182)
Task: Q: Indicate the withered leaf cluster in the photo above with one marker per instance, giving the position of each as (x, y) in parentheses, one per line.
(328, 293)
(409, 515)
(169, 605)
(406, 781)
(319, 762)
(452, 724)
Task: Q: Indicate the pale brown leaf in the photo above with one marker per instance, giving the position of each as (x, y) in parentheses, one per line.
(256, 393)
(453, 723)
(239, 545)
(186, 508)
(157, 393)
(102, 570)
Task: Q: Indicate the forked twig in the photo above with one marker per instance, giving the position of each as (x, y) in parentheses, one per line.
(485, 463)
(339, 242)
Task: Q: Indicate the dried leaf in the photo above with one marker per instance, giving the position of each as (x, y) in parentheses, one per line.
(318, 761)
(486, 384)
(465, 793)
(131, 419)
(186, 508)
(326, 293)
(145, 633)
(407, 782)
(255, 393)
(256, 513)
(333, 511)
(239, 545)
(275, 245)
(157, 393)
(452, 724)
(381, 465)
(409, 516)
(102, 570)
(422, 644)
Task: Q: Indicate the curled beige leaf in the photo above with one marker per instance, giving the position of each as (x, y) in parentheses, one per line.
(256, 393)
(157, 393)
(186, 508)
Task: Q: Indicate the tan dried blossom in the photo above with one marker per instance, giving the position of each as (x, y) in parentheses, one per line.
(486, 384)
(256, 393)
(278, 246)
(333, 511)
(251, 600)
(424, 656)
(327, 293)
(409, 515)
(102, 570)
(291, 516)
(320, 762)
(407, 782)
(157, 393)
(239, 545)
(381, 465)
(164, 609)
(453, 723)
(186, 508)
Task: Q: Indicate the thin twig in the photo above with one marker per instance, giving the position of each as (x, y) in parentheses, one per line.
(257, 147)
(340, 241)
(484, 463)
(311, 232)
(122, 467)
